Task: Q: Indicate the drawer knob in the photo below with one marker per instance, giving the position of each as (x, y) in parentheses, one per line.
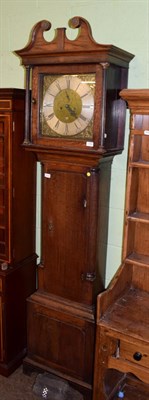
(137, 356)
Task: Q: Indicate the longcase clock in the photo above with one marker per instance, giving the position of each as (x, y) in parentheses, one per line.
(75, 128)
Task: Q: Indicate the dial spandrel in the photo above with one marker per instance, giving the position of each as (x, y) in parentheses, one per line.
(67, 106)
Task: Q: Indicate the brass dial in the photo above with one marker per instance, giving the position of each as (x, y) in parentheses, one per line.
(68, 105)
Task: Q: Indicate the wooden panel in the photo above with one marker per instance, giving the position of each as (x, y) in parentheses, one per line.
(1, 332)
(140, 276)
(143, 190)
(139, 191)
(145, 149)
(5, 189)
(137, 230)
(63, 240)
(1, 284)
(59, 342)
(66, 240)
(140, 147)
(20, 282)
(133, 190)
(141, 121)
(135, 147)
(66, 340)
(5, 104)
(141, 231)
(23, 194)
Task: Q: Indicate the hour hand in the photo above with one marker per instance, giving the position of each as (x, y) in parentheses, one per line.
(72, 112)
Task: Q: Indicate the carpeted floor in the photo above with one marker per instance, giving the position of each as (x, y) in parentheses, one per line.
(18, 386)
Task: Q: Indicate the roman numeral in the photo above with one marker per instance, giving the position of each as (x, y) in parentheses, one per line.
(87, 105)
(51, 94)
(66, 129)
(76, 125)
(58, 85)
(56, 125)
(82, 117)
(48, 105)
(78, 86)
(86, 94)
(50, 116)
(68, 82)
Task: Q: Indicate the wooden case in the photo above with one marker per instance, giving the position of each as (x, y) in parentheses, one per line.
(76, 176)
(17, 229)
(122, 341)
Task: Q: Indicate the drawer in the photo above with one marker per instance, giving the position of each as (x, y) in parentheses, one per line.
(5, 104)
(137, 353)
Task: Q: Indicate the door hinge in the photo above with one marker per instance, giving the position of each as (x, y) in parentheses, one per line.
(88, 276)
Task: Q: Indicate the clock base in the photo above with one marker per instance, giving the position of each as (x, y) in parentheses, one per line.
(64, 340)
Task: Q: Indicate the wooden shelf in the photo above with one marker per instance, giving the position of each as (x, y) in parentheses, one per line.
(138, 259)
(122, 316)
(138, 132)
(138, 216)
(139, 164)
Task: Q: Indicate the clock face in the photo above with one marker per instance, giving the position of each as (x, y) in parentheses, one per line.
(68, 106)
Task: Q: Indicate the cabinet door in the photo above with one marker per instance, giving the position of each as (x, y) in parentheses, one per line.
(66, 340)
(69, 232)
(5, 195)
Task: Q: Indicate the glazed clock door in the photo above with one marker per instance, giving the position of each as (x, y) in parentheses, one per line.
(4, 190)
(66, 232)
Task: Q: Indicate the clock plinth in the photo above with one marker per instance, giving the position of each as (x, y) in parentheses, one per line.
(75, 127)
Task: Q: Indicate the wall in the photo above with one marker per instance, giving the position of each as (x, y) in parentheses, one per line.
(123, 23)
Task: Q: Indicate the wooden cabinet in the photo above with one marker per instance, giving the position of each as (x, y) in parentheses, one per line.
(122, 341)
(77, 126)
(17, 229)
